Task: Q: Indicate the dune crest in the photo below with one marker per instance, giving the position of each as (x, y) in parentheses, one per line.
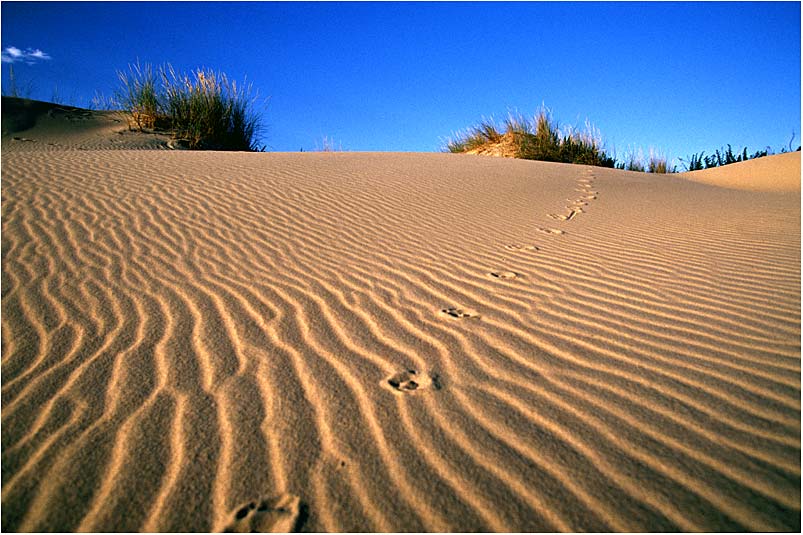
(393, 342)
(780, 172)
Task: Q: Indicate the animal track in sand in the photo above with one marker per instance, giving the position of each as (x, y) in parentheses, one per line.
(410, 380)
(584, 185)
(550, 231)
(277, 514)
(460, 312)
(519, 247)
(564, 217)
(504, 274)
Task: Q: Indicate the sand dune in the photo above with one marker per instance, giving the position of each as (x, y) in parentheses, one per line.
(394, 342)
(778, 173)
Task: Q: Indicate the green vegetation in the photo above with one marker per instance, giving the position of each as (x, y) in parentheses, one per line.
(477, 136)
(699, 161)
(206, 110)
(203, 107)
(543, 139)
(138, 96)
(631, 163)
(635, 161)
(657, 164)
(15, 87)
(539, 139)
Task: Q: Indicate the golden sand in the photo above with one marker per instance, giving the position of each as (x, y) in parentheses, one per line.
(393, 342)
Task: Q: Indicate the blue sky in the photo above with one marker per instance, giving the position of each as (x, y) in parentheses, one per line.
(678, 77)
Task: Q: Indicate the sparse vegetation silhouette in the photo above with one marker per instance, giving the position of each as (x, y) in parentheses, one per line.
(543, 139)
(204, 107)
(537, 139)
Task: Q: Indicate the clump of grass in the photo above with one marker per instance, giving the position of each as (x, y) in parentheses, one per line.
(137, 95)
(657, 163)
(536, 139)
(695, 162)
(204, 107)
(635, 160)
(328, 145)
(632, 162)
(543, 139)
(100, 101)
(475, 137)
(210, 111)
(17, 88)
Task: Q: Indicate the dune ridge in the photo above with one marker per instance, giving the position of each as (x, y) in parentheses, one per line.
(781, 172)
(210, 341)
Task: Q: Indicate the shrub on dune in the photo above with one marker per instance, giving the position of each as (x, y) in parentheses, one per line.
(657, 165)
(538, 139)
(695, 162)
(138, 96)
(210, 111)
(475, 137)
(632, 163)
(204, 107)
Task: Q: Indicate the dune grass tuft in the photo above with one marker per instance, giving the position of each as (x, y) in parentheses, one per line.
(657, 163)
(632, 162)
(328, 145)
(208, 110)
(537, 139)
(137, 95)
(204, 107)
(16, 87)
(695, 162)
(475, 137)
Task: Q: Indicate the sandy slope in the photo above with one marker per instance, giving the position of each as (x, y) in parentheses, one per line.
(370, 342)
(778, 173)
(43, 126)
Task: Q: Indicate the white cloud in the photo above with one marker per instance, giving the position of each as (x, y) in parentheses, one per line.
(39, 54)
(12, 54)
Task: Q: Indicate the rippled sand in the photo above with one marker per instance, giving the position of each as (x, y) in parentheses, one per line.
(395, 342)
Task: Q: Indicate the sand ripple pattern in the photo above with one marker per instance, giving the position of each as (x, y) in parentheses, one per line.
(192, 341)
